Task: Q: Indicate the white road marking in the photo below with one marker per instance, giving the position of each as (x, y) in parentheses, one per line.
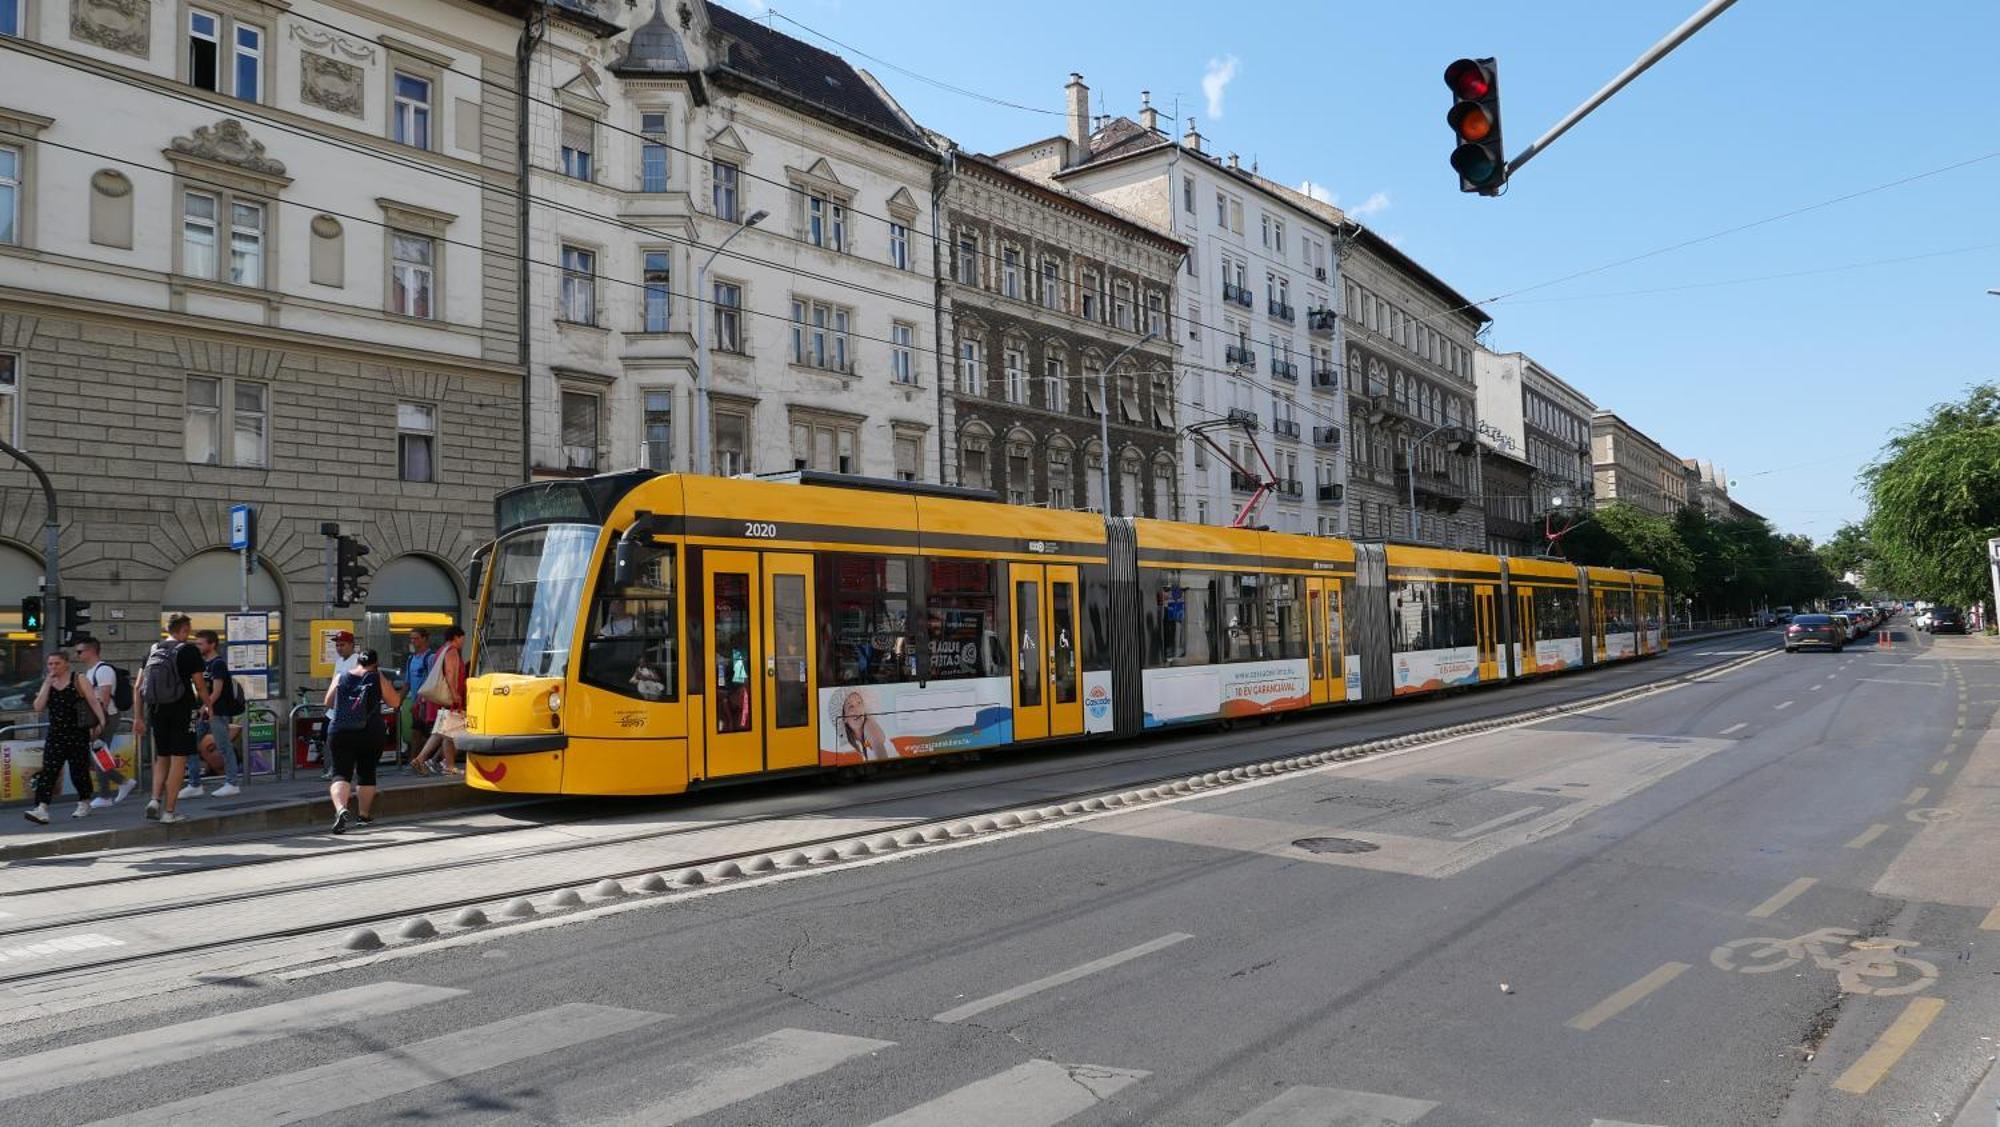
(1783, 705)
(1862, 839)
(1734, 728)
(174, 1044)
(1626, 998)
(1815, 688)
(1496, 823)
(356, 1081)
(1915, 796)
(1616, 1123)
(61, 945)
(1785, 896)
(1892, 681)
(1037, 1093)
(729, 1076)
(993, 1001)
(1336, 1107)
(1941, 766)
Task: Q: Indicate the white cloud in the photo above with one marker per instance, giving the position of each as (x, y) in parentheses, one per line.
(1373, 205)
(1221, 72)
(1320, 192)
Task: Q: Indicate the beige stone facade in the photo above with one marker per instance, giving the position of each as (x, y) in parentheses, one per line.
(1631, 467)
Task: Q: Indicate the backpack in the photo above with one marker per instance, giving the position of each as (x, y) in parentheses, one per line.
(121, 686)
(162, 683)
(357, 703)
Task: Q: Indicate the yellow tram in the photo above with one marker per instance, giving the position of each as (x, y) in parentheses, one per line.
(644, 633)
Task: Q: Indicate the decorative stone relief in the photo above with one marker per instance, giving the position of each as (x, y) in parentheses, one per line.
(227, 142)
(331, 84)
(329, 41)
(116, 25)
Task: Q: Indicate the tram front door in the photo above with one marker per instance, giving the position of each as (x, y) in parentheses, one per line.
(759, 663)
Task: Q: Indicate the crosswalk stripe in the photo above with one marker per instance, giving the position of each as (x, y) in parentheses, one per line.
(1616, 1123)
(1336, 1107)
(291, 1097)
(1060, 978)
(739, 1072)
(130, 1052)
(1039, 1093)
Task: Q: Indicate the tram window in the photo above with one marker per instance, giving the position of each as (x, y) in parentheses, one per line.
(1096, 618)
(1432, 615)
(1028, 666)
(1284, 627)
(962, 604)
(634, 642)
(1555, 614)
(734, 679)
(1062, 643)
(865, 624)
(1617, 612)
(535, 595)
(1179, 609)
(1242, 632)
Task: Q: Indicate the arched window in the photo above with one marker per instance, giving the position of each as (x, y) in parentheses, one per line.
(1062, 473)
(975, 450)
(1020, 488)
(1131, 476)
(1093, 477)
(1166, 494)
(406, 593)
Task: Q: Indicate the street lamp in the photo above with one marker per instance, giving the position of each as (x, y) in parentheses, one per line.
(1104, 419)
(701, 319)
(1412, 468)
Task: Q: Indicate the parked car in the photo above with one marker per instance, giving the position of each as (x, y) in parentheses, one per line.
(1815, 630)
(1848, 630)
(1946, 620)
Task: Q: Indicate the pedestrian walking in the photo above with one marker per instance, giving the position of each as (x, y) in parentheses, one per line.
(71, 714)
(343, 662)
(449, 697)
(171, 688)
(220, 706)
(356, 731)
(423, 713)
(107, 685)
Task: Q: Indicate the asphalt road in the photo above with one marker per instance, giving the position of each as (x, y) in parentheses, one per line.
(1534, 926)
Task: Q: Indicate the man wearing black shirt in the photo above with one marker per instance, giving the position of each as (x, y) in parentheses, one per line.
(171, 721)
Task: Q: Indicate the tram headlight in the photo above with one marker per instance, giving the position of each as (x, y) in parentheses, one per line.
(555, 700)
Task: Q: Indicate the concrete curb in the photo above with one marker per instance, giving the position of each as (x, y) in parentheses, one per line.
(390, 802)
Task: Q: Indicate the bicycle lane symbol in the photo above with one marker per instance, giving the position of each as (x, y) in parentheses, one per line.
(1863, 966)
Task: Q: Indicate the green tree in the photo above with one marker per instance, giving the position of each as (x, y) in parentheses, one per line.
(1934, 500)
(1851, 549)
(1623, 535)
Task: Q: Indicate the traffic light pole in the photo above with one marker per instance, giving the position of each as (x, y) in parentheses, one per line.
(51, 560)
(1658, 51)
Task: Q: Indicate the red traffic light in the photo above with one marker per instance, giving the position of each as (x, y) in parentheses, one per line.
(1468, 78)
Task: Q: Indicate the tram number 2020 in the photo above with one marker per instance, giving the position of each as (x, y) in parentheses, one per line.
(760, 530)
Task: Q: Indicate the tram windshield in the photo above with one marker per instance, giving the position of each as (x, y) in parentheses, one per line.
(534, 597)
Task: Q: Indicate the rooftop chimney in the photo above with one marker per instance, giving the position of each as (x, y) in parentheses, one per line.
(1079, 120)
(1234, 164)
(1148, 116)
(1193, 138)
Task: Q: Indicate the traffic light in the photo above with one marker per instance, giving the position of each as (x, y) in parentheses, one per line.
(31, 614)
(350, 574)
(75, 617)
(1480, 159)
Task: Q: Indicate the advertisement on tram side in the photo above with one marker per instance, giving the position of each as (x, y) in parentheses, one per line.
(1551, 655)
(1097, 716)
(1620, 644)
(1206, 692)
(1353, 668)
(1652, 639)
(908, 720)
(1423, 671)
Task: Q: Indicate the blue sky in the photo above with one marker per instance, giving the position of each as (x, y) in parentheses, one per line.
(1790, 384)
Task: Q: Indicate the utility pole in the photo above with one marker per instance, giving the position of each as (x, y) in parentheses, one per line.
(52, 625)
(702, 314)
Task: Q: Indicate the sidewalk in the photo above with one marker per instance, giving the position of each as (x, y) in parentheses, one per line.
(265, 805)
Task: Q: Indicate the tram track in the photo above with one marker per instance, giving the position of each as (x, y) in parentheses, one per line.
(928, 827)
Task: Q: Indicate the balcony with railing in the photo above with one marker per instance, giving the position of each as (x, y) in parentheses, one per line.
(1285, 428)
(1284, 370)
(1292, 487)
(1327, 437)
(1325, 378)
(1238, 294)
(1282, 312)
(1321, 322)
(1243, 482)
(1237, 354)
(1332, 492)
(1434, 488)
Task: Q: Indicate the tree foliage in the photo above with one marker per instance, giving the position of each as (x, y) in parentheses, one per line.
(1726, 568)
(1852, 550)
(1934, 501)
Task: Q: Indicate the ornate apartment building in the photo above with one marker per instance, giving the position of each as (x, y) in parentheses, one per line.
(1409, 340)
(1254, 327)
(1526, 411)
(651, 147)
(1631, 467)
(1048, 290)
(261, 253)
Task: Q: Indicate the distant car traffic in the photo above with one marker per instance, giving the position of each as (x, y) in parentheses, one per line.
(1815, 630)
(1782, 614)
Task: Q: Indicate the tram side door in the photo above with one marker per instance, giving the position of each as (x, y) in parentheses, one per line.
(1065, 659)
(1489, 625)
(790, 733)
(1597, 622)
(1524, 628)
(759, 662)
(1029, 651)
(1323, 617)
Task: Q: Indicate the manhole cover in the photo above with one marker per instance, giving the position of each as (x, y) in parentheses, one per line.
(1336, 845)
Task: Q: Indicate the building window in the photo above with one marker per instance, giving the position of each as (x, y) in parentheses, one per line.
(819, 336)
(226, 422)
(410, 116)
(830, 445)
(1010, 272)
(968, 260)
(579, 430)
(1236, 216)
(1163, 402)
(1051, 284)
(246, 243)
(972, 461)
(198, 235)
(1014, 363)
(412, 274)
(971, 359)
(1055, 388)
(1156, 315)
(1193, 319)
(1278, 236)
(1059, 478)
(726, 202)
(826, 222)
(656, 430)
(1121, 307)
(579, 286)
(10, 193)
(204, 70)
(579, 140)
(416, 442)
(658, 281)
(653, 152)
(728, 317)
(1221, 210)
(732, 443)
(1187, 194)
(1164, 495)
(909, 457)
(10, 386)
(899, 245)
(200, 220)
(249, 62)
(901, 368)
(1088, 307)
(1264, 218)
(10, 16)
(1020, 478)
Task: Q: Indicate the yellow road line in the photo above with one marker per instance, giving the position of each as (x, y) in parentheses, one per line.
(1862, 839)
(1785, 896)
(1941, 766)
(1624, 999)
(1916, 796)
(1890, 1046)
(1992, 920)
